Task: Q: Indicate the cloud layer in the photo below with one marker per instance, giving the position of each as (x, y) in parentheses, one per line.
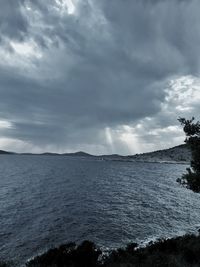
(105, 77)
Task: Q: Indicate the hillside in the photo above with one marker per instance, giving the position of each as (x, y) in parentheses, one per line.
(2, 152)
(179, 153)
(78, 154)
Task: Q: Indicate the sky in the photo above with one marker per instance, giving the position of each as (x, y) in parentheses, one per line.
(98, 76)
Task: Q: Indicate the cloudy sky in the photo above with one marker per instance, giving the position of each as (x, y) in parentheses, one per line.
(96, 75)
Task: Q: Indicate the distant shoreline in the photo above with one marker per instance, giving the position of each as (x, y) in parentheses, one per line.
(175, 155)
(99, 158)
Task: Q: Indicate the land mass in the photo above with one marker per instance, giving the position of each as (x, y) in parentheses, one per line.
(6, 152)
(177, 154)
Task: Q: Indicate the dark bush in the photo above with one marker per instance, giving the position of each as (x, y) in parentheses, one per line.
(69, 255)
(176, 252)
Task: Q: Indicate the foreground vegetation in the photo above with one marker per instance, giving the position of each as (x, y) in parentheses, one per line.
(192, 131)
(176, 252)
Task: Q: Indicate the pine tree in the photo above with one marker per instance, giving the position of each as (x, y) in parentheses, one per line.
(192, 131)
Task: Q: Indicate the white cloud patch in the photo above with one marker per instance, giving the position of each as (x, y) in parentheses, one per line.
(5, 124)
(183, 94)
(66, 5)
(26, 49)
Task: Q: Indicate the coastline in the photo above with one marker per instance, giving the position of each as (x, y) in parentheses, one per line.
(177, 252)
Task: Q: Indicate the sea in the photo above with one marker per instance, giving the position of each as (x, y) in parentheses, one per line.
(46, 201)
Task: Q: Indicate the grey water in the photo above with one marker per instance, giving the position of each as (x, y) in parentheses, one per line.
(49, 200)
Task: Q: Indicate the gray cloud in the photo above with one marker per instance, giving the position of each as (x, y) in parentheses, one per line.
(105, 66)
(12, 22)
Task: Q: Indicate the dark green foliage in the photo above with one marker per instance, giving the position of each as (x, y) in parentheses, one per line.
(176, 252)
(190, 180)
(69, 255)
(6, 264)
(192, 130)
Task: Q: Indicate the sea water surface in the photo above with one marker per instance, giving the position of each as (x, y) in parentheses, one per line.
(49, 200)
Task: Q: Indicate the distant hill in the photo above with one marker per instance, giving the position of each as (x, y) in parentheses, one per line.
(75, 154)
(179, 153)
(49, 154)
(175, 154)
(6, 152)
(78, 154)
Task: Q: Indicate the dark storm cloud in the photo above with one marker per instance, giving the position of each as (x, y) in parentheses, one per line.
(104, 66)
(163, 34)
(12, 22)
